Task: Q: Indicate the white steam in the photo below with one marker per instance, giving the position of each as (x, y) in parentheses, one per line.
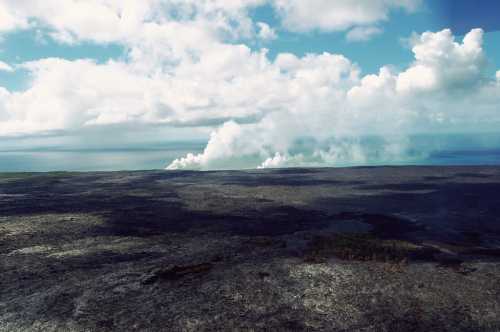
(348, 119)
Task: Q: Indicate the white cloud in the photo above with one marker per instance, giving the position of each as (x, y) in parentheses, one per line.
(441, 62)
(101, 21)
(338, 15)
(10, 19)
(186, 65)
(266, 33)
(363, 33)
(77, 94)
(6, 67)
(336, 108)
(121, 21)
(263, 108)
(4, 96)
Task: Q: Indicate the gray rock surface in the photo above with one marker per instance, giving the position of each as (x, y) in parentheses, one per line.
(359, 249)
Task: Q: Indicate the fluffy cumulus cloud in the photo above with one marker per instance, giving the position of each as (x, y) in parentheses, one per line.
(329, 111)
(266, 33)
(124, 21)
(440, 62)
(120, 20)
(187, 64)
(6, 67)
(338, 15)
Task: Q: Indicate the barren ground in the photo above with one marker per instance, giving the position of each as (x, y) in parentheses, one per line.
(359, 249)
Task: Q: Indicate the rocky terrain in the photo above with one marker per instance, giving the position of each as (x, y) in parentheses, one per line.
(358, 249)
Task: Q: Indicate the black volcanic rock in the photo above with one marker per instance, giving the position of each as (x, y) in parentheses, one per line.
(359, 249)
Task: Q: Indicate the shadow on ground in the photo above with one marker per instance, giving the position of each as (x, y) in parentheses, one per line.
(284, 250)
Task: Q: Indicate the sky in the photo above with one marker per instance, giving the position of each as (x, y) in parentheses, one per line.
(255, 83)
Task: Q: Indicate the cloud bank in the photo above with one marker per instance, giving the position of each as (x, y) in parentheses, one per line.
(326, 101)
(188, 64)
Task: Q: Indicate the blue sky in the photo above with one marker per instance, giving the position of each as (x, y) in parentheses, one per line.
(22, 46)
(128, 73)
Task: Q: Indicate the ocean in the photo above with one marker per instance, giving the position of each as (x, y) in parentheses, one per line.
(462, 151)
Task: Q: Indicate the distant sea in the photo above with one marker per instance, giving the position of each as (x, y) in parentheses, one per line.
(46, 160)
(461, 152)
